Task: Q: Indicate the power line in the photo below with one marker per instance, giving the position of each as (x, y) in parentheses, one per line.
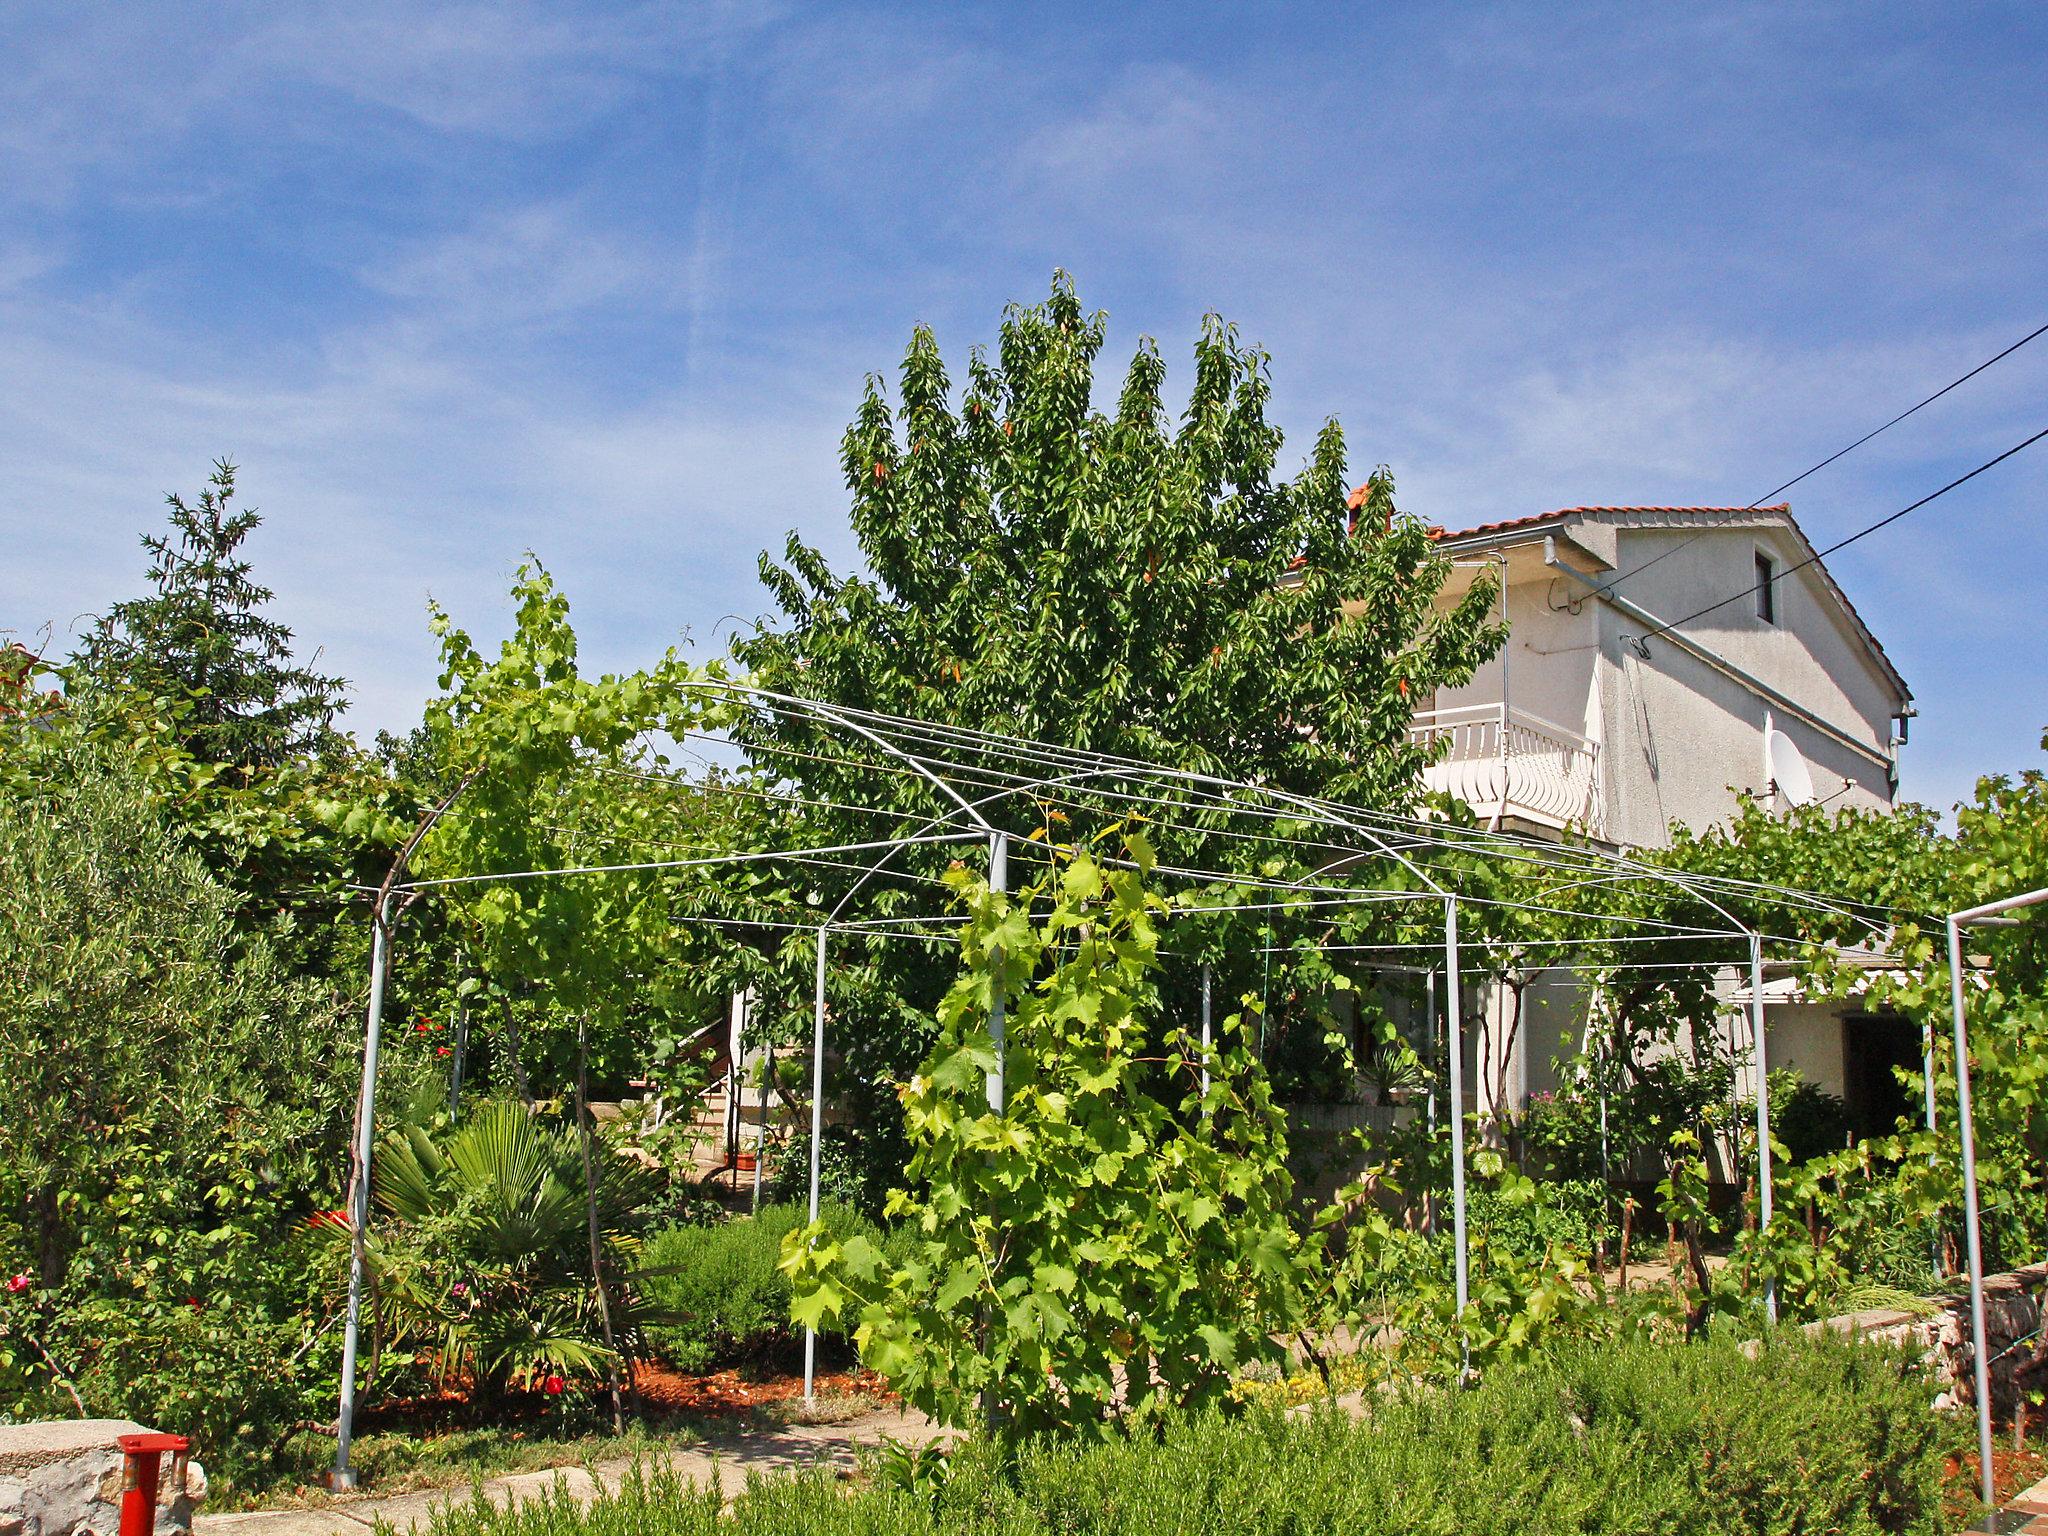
(1614, 582)
(1883, 522)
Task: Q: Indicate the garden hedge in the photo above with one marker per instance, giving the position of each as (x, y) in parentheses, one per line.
(1676, 1440)
(716, 1287)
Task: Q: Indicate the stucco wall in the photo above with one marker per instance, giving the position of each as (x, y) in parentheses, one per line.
(1683, 736)
(1678, 736)
(1807, 1038)
(1811, 652)
(1549, 659)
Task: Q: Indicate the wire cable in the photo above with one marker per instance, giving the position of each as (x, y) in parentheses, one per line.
(1616, 581)
(1861, 533)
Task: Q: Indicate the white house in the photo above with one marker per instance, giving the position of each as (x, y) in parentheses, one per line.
(1660, 661)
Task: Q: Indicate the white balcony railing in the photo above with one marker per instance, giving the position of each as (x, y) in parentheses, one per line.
(1508, 763)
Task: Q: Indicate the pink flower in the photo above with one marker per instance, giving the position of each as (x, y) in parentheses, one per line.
(552, 1385)
(459, 1288)
(20, 1282)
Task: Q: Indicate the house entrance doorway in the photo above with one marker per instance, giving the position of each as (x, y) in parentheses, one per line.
(1874, 1047)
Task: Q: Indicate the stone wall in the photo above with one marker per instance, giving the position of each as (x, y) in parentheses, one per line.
(64, 1479)
(2012, 1315)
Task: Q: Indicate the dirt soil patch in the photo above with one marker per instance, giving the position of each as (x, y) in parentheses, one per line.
(2012, 1474)
(738, 1394)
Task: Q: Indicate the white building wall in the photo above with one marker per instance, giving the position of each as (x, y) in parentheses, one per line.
(1549, 659)
(1683, 737)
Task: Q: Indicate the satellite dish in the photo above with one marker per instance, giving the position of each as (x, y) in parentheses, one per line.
(1788, 769)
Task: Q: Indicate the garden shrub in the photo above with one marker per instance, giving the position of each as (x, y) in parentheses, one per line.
(481, 1261)
(1573, 1214)
(716, 1290)
(1810, 1435)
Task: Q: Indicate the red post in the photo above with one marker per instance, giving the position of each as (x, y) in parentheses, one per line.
(141, 1454)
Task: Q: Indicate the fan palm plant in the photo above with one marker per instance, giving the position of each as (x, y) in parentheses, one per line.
(484, 1260)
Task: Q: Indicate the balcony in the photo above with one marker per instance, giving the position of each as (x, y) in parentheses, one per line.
(1509, 765)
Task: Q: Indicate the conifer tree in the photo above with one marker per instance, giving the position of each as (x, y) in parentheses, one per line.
(202, 643)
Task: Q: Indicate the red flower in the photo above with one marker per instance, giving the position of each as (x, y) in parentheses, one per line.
(552, 1385)
(193, 1302)
(440, 1050)
(20, 1282)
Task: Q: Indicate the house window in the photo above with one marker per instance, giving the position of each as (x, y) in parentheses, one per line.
(1766, 592)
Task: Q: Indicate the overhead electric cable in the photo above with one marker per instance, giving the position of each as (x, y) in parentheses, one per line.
(1616, 581)
(1861, 533)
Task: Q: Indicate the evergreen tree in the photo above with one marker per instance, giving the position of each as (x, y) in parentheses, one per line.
(202, 643)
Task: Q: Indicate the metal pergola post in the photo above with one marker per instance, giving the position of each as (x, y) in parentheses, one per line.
(767, 1067)
(1454, 1048)
(1966, 1131)
(344, 1476)
(998, 880)
(1207, 979)
(817, 1133)
(1763, 1112)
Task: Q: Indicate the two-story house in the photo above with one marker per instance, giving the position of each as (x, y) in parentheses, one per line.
(1619, 709)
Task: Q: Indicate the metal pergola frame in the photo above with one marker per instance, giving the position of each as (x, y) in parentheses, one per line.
(971, 776)
(1990, 914)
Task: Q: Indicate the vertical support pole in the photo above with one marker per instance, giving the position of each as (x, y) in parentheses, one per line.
(1763, 1111)
(761, 1125)
(461, 1053)
(735, 1084)
(998, 880)
(586, 1123)
(344, 1476)
(1208, 978)
(1429, 1028)
(1433, 1057)
(817, 1134)
(1980, 1364)
(1454, 1048)
(1927, 1073)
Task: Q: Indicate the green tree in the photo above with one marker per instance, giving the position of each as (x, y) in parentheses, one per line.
(202, 643)
(1117, 583)
(176, 1105)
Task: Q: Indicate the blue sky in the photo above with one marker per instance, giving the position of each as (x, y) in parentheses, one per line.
(453, 282)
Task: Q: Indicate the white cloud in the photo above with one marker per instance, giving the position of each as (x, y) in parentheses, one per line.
(536, 265)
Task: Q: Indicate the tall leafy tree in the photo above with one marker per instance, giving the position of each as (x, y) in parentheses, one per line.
(202, 642)
(1128, 581)
(1123, 582)
(176, 1106)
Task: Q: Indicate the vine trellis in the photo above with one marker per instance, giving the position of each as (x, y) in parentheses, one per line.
(1406, 890)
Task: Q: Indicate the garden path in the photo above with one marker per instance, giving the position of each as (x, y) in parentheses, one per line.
(730, 1456)
(2026, 1515)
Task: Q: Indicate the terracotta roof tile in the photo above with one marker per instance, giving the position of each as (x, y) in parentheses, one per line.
(1510, 524)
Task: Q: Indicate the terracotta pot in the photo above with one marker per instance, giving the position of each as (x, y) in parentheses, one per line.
(743, 1161)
